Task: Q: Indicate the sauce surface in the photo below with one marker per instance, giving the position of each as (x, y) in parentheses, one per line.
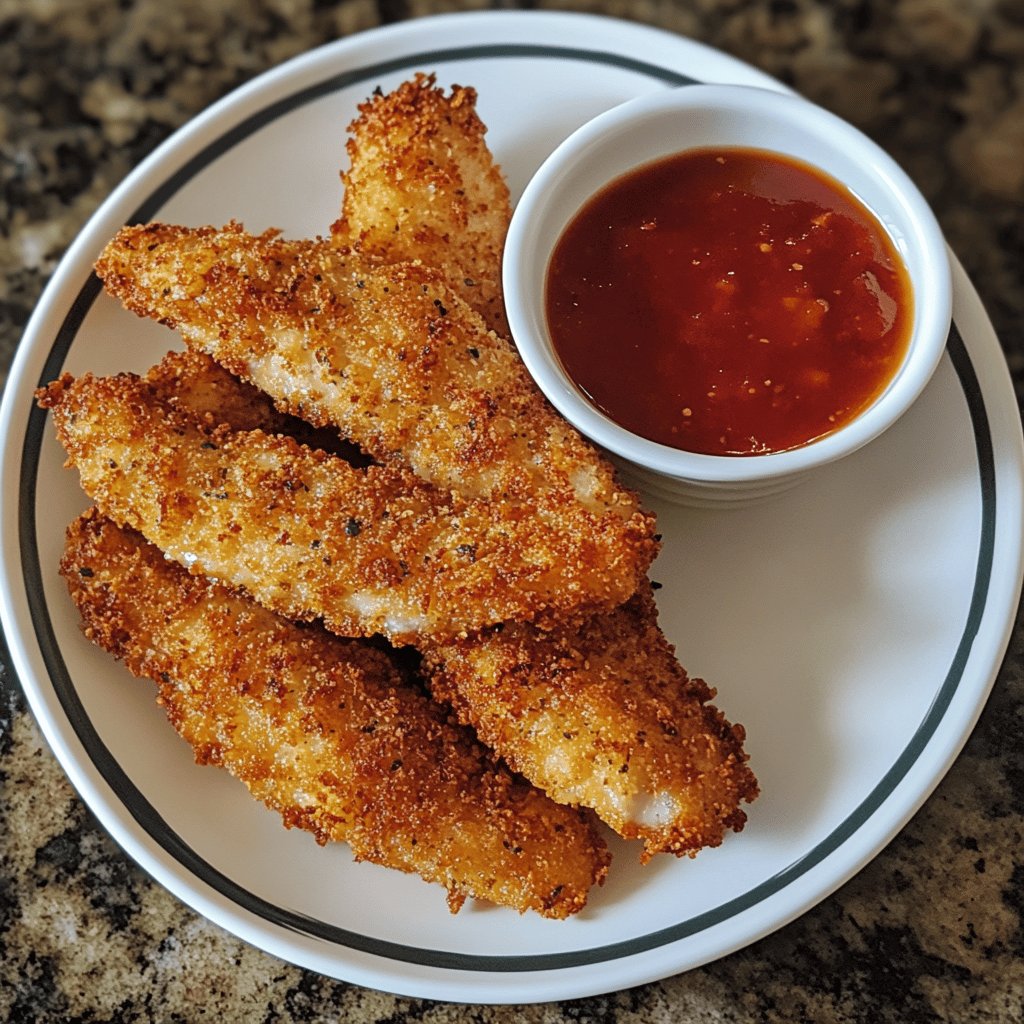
(728, 301)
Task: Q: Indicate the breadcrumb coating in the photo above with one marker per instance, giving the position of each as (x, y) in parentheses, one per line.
(220, 397)
(328, 732)
(421, 177)
(388, 355)
(370, 550)
(601, 715)
(376, 336)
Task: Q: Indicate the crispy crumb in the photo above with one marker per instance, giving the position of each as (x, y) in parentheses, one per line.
(328, 732)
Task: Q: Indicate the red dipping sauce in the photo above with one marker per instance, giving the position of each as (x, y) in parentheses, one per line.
(728, 301)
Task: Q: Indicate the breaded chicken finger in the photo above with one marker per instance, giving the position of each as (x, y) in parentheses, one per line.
(422, 180)
(327, 732)
(601, 715)
(221, 397)
(370, 550)
(388, 355)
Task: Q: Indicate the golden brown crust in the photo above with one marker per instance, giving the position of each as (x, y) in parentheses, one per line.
(422, 184)
(604, 716)
(370, 550)
(388, 356)
(218, 397)
(373, 334)
(601, 714)
(569, 708)
(327, 732)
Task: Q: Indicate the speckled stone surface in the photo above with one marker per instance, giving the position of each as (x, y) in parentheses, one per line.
(932, 930)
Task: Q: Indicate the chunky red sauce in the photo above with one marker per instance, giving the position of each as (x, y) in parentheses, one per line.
(728, 301)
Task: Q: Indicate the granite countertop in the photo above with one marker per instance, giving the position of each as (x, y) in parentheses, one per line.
(932, 929)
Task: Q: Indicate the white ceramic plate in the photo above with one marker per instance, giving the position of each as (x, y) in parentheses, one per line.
(854, 625)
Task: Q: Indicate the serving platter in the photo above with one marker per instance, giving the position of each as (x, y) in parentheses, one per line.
(854, 625)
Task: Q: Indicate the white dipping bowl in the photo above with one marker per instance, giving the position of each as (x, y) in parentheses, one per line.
(696, 117)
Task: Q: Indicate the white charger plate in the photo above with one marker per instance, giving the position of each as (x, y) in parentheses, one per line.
(854, 625)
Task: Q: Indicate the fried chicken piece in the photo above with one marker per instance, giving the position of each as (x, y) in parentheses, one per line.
(389, 356)
(370, 550)
(603, 715)
(423, 184)
(681, 791)
(327, 732)
(220, 397)
(570, 708)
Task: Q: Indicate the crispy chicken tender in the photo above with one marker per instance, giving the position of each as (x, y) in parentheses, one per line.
(370, 550)
(327, 732)
(423, 184)
(220, 397)
(390, 356)
(601, 715)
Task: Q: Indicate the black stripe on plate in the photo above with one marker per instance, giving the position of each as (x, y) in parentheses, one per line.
(176, 847)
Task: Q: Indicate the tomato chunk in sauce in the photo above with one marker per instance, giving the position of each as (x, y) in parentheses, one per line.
(728, 301)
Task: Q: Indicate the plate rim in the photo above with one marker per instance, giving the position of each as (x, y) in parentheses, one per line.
(13, 616)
